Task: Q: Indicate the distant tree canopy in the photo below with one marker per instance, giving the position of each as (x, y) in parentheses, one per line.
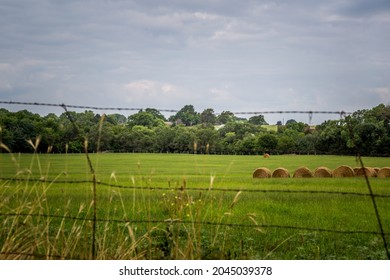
(258, 120)
(187, 116)
(366, 131)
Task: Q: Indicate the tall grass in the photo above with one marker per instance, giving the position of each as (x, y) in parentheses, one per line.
(204, 209)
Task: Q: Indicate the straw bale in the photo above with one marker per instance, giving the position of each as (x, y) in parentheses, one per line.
(280, 173)
(384, 172)
(322, 172)
(303, 172)
(262, 172)
(368, 171)
(343, 171)
(266, 155)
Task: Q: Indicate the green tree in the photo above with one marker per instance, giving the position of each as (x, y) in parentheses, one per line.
(227, 143)
(288, 141)
(143, 118)
(333, 138)
(225, 117)
(208, 117)
(187, 116)
(206, 139)
(257, 120)
(155, 113)
(290, 122)
(247, 146)
(307, 144)
(165, 139)
(122, 139)
(184, 139)
(116, 119)
(25, 126)
(267, 142)
(297, 126)
(143, 139)
(286, 144)
(240, 129)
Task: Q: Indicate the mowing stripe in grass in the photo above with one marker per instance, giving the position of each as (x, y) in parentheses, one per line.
(204, 189)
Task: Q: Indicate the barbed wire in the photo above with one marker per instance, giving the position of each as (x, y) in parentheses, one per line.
(192, 222)
(62, 105)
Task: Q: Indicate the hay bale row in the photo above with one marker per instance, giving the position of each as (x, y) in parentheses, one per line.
(342, 171)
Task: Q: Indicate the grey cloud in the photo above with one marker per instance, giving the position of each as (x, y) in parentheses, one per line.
(366, 7)
(243, 55)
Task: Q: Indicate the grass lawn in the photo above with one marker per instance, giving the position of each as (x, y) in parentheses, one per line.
(176, 206)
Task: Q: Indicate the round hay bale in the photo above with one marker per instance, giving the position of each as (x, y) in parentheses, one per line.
(303, 172)
(377, 169)
(266, 156)
(355, 170)
(368, 171)
(343, 171)
(322, 172)
(262, 173)
(280, 173)
(384, 172)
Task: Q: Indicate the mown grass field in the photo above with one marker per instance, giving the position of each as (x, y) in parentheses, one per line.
(172, 206)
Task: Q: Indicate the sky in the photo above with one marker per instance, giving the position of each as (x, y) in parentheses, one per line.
(228, 55)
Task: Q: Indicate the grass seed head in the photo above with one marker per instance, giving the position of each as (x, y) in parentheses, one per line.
(5, 147)
(36, 144)
(212, 178)
(86, 145)
(235, 200)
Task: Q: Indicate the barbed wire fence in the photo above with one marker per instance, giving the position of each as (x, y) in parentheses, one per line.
(95, 220)
(64, 106)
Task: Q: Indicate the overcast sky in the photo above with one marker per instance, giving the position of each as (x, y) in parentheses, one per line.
(229, 55)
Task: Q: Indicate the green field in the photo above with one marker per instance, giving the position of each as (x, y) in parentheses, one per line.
(176, 206)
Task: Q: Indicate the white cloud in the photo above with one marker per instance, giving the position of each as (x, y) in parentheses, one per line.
(222, 96)
(150, 93)
(144, 86)
(206, 16)
(228, 35)
(383, 93)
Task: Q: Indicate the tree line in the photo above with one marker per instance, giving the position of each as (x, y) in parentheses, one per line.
(188, 131)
